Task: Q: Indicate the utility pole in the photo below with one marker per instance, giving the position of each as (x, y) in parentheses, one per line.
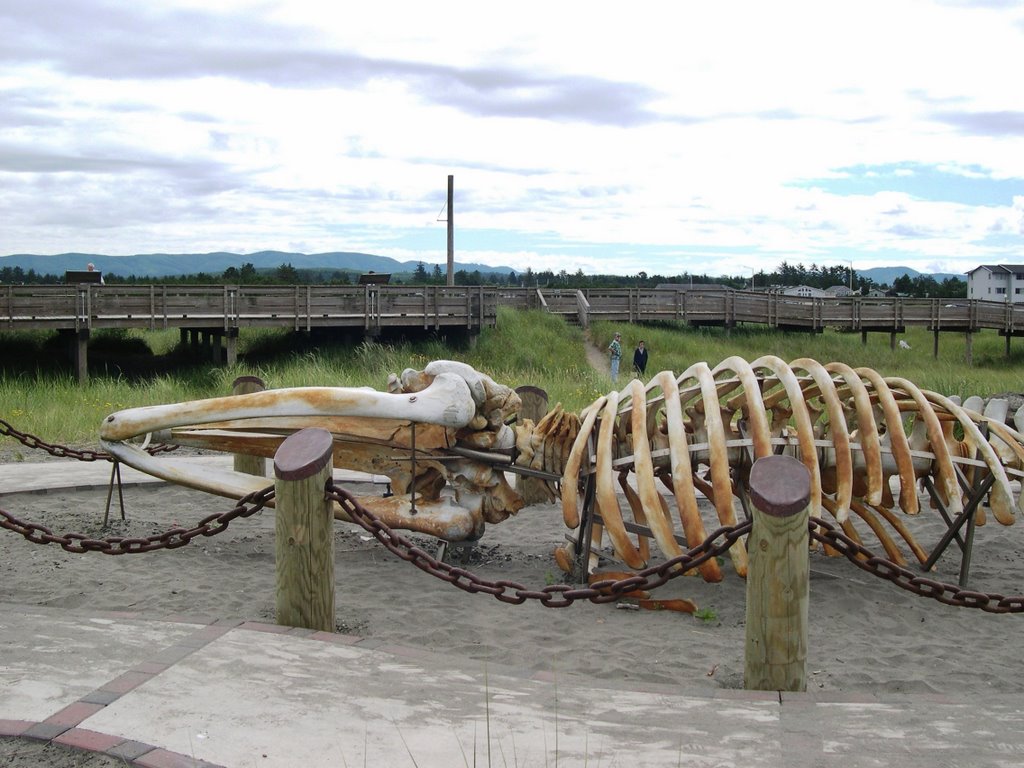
(451, 231)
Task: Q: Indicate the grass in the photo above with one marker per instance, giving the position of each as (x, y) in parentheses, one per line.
(526, 348)
(992, 372)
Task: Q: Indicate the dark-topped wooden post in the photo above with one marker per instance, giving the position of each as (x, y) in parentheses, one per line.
(535, 407)
(778, 576)
(304, 531)
(250, 465)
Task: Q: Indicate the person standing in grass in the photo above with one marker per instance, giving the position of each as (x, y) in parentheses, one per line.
(615, 348)
(640, 359)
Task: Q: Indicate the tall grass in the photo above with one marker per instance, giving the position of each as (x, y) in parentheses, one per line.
(526, 348)
(992, 372)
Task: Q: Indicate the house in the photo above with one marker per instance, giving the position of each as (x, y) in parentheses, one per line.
(840, 291)
(997, 282)
(806, 291)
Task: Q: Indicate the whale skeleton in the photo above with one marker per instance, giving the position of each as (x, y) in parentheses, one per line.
(678, 447)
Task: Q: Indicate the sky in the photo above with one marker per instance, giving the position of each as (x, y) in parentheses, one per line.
(670, 138)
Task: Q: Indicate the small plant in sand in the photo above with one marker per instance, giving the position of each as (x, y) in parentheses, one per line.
(707, 615)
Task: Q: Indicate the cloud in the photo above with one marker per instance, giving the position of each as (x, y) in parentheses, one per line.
(684, 144)
(137, 42)
(1004, 123)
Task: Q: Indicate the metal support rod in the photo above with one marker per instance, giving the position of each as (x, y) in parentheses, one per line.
(954, 531)
(412, 469)
(583, 541)
(451, 230)
(115, 476)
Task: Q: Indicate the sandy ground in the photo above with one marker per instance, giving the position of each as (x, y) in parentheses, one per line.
(865, 634)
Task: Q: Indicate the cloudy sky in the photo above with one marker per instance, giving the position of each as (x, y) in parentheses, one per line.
(665, 137)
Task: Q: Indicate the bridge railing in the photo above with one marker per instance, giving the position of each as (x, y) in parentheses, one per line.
(372, 307)
(88, 306)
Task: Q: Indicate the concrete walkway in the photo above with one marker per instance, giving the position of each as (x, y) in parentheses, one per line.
(170, 691)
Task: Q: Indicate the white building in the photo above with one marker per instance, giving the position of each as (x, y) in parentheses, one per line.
(997, 282)
(806, 291)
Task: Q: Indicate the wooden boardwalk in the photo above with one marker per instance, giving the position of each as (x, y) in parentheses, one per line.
(214, 314)
(300, 307)
(731, 308)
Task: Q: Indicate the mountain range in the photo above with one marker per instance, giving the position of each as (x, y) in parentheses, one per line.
(886, 275)
(166, 264)
(157, 265)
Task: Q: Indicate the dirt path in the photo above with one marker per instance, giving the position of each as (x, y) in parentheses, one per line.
(596, 355)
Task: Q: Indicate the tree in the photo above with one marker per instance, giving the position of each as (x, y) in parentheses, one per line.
(248, 274)
(287, 274)
(903, 285)
(419, 276)
(953, 288)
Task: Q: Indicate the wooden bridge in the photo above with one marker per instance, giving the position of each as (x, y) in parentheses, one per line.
(729, 308)
(211, 316)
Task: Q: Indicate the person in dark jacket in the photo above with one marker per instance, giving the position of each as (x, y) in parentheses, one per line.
(640, 359)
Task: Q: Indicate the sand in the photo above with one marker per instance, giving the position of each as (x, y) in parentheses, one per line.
(865, 634)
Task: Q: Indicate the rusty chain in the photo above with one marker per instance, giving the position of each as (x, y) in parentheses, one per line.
(64, 451)
(561, 595)
(552, 595)
(950, 594)
(173, 538)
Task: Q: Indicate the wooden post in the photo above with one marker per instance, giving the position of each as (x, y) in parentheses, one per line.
(250, 465)
(304, 531)
(535, 406)
(969, 349)
(451, 231)
(935, 345)
(231, 346)
(217, 347)
(778, 576)
(82, 355)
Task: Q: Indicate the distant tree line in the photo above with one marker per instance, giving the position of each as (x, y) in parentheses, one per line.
(919, 287)
(785, 275)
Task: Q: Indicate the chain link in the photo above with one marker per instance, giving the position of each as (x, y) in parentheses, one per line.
(78, 543)
(64, 451)
(950, 594)
(609, 590)
(552, 595)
